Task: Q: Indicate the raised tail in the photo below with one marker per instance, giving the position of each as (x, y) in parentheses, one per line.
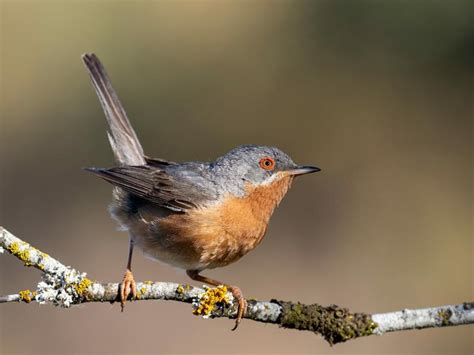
(125, 144)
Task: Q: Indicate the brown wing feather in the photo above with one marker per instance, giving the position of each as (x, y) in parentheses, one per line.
(158, 161)
(155, 185)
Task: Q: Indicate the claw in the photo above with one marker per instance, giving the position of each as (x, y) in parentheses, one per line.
(127, 287)
(237, 293)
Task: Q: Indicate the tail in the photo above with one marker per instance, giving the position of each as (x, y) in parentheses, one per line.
(125, 144)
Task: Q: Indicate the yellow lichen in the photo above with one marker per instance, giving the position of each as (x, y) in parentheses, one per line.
(210, 299)
(14, 248)
(445, 316)
(27, 295)
(141, 292)
(180, 289)
(82, 286)
(22, 254)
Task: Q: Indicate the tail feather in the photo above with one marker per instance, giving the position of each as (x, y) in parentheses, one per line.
(123, 139)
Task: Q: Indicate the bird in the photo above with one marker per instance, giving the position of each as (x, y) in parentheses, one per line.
(193, 215)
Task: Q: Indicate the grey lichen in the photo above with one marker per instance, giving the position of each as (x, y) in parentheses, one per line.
(334, 323)
(467, 306)
(64, 289)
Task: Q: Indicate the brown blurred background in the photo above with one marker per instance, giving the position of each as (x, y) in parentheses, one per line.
(378, 94)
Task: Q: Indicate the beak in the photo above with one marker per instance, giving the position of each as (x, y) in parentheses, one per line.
(302, 170)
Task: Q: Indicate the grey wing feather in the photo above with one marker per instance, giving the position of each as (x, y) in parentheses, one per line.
(125, 144)
(173, 191)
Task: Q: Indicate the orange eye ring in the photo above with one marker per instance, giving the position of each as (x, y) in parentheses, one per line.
(267, 163)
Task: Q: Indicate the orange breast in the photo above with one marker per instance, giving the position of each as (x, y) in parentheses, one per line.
(222, 233)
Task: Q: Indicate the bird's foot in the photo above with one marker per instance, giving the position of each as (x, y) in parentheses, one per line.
(127, 287)
(237, 293)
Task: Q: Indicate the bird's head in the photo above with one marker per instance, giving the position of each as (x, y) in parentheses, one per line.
(257, 166)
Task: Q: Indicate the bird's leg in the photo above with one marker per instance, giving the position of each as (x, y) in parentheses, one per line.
(236, 292)
(128, 285)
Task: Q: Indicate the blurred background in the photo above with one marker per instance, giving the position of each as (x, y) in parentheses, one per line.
(378, 94)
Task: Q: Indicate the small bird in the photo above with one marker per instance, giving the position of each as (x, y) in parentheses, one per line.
(193, 215)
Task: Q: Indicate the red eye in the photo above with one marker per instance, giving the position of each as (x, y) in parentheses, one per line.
(267, 163)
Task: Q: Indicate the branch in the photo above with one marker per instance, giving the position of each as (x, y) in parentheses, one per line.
(64, 286)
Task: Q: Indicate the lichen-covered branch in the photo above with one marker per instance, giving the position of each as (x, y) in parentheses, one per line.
(63, 286)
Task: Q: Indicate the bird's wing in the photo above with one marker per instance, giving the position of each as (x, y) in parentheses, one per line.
(158, 162)
(176, 190)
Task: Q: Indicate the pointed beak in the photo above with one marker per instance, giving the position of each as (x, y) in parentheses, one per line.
(302, 170)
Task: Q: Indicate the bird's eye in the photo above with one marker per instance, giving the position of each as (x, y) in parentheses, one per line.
(267, 163)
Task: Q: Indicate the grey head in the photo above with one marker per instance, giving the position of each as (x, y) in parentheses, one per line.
(257, 165)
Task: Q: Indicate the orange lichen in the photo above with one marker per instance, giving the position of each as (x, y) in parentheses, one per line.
(211, 298)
